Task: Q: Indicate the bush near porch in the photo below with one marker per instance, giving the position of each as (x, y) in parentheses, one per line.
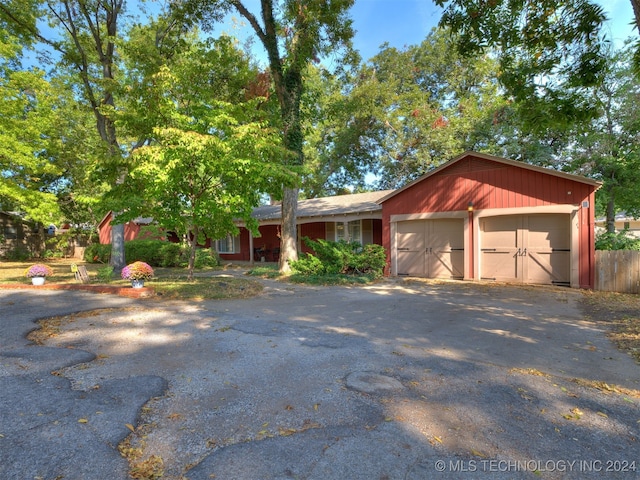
(346, 258)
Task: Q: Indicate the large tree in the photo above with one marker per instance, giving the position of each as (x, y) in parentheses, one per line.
(28, 123)
(294, 33)
(405, 112)
(608, 146)
(546, 49)
(83, 37)
(210, 154)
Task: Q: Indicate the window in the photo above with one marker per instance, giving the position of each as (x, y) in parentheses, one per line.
(353, 231)
(10, 232)
(230, 244)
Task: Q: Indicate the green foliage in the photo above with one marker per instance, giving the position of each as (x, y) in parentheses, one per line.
(97, 253)
(206, 257)
(18, 254)
(105, 274)
(345, 258)
(170, 254)
(558, 40)
(148, 251)
(27, 126)
(157, 253)
(617, 241)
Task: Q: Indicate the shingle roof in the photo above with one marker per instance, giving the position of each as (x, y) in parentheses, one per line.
(326, 206)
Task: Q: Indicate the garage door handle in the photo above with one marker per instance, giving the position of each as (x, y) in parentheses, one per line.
(524, 252)
(403, 249)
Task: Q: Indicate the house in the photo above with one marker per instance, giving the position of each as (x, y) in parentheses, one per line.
(622, 222)
(131, 229)
(355, 217)
(484, 217)
(19, 236)
(476, 217)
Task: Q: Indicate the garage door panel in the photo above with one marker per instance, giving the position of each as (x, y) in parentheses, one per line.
(500, 232)
(500, 265)
(430, 248)
(447, 264)
(410, 263)
(526, 248)
(410, 236)
(548, 232)
(446, 234)
(549, 267)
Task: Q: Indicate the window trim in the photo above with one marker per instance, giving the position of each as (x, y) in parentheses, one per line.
(231, 240)
(346, 229)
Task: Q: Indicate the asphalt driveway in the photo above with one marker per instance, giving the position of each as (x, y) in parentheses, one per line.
(401, 380)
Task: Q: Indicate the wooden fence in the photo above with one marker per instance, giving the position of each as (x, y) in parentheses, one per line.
(618, 271)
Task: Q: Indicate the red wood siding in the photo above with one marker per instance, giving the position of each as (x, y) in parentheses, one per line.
(314, 231)
(377, 231)
(131, 231)
(503, 186)
(269, 239)
(493, 185)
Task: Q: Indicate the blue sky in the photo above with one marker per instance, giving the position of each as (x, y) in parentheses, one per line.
(407, 22)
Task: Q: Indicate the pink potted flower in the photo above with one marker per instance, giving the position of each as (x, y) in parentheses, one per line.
(137, 272)
(38, 272)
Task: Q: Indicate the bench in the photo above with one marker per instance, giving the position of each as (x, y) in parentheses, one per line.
(80, 271)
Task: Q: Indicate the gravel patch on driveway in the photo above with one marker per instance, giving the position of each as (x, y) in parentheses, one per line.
(400, 380)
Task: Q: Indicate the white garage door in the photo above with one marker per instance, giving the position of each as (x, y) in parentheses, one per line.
(430, 248)
(526, 248)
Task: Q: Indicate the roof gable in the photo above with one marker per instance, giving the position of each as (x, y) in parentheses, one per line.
(485, 161)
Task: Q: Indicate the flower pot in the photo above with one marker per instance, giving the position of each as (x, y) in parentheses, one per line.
(37, 280)
(137, 283)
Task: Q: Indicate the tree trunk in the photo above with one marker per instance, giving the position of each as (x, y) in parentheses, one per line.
(611, 214)
(636, 12)
(117, 247)
(193, 243)
(289, 229)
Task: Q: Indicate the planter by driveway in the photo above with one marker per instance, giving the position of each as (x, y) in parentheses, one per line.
(401, 380)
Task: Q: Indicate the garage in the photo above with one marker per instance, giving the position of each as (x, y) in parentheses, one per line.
(526, 249)
(487, 218)
(430, 248)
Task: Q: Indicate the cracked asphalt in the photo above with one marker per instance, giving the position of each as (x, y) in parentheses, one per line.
(399, 380)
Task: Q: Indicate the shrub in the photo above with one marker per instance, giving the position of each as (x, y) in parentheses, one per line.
(206, 257)
(617, 241)
(97, 253)
(18, 254)
(105, 274)
(148, 251)
(157, 253)
(347, 258)
(170, 254)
